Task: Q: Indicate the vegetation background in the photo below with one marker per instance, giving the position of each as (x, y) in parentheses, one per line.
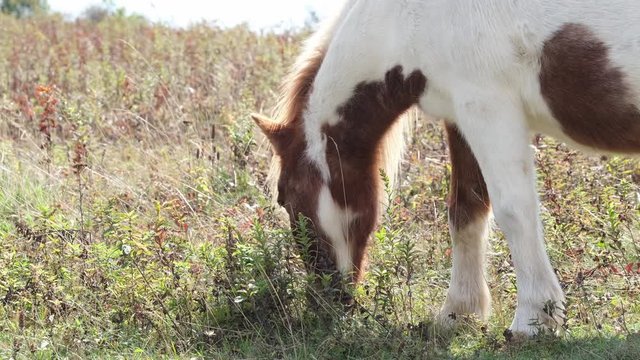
(134, 221)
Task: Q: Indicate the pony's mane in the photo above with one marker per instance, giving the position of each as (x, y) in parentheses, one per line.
(296, 89)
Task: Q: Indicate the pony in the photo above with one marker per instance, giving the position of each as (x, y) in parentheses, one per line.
(497, 72)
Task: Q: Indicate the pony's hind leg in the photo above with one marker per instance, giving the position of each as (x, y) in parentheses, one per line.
(469, 210)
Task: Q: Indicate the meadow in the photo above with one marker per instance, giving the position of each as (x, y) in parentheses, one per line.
(135, 220)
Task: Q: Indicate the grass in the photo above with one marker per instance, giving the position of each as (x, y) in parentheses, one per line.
(134, 221)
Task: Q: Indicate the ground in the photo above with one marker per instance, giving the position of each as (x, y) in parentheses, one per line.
(134, 219)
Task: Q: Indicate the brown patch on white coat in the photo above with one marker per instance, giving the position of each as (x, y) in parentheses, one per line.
(587, 93)
(353, 150)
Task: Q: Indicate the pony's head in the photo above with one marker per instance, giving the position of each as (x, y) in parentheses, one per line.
(339, 194)
(299, 187)
(298, 180)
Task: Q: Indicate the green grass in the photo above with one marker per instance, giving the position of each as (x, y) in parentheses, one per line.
(134, 221)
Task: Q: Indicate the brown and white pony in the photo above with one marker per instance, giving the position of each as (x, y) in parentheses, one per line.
(497, 71)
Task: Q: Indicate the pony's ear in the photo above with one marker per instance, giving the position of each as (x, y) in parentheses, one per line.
(279, 135)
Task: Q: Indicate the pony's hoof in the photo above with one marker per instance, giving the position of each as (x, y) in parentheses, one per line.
(447, 319)
(456, 307)
(548, 319)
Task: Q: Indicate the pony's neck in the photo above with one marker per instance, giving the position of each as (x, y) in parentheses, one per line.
(352, 155)
(353, 143)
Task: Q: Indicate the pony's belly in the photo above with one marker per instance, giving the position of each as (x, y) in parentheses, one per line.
(587, 138)
(613, 134)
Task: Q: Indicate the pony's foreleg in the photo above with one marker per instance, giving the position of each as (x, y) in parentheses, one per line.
(469, 210)
(496, 130)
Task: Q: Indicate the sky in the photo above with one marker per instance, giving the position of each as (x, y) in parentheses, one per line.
(259, 14)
